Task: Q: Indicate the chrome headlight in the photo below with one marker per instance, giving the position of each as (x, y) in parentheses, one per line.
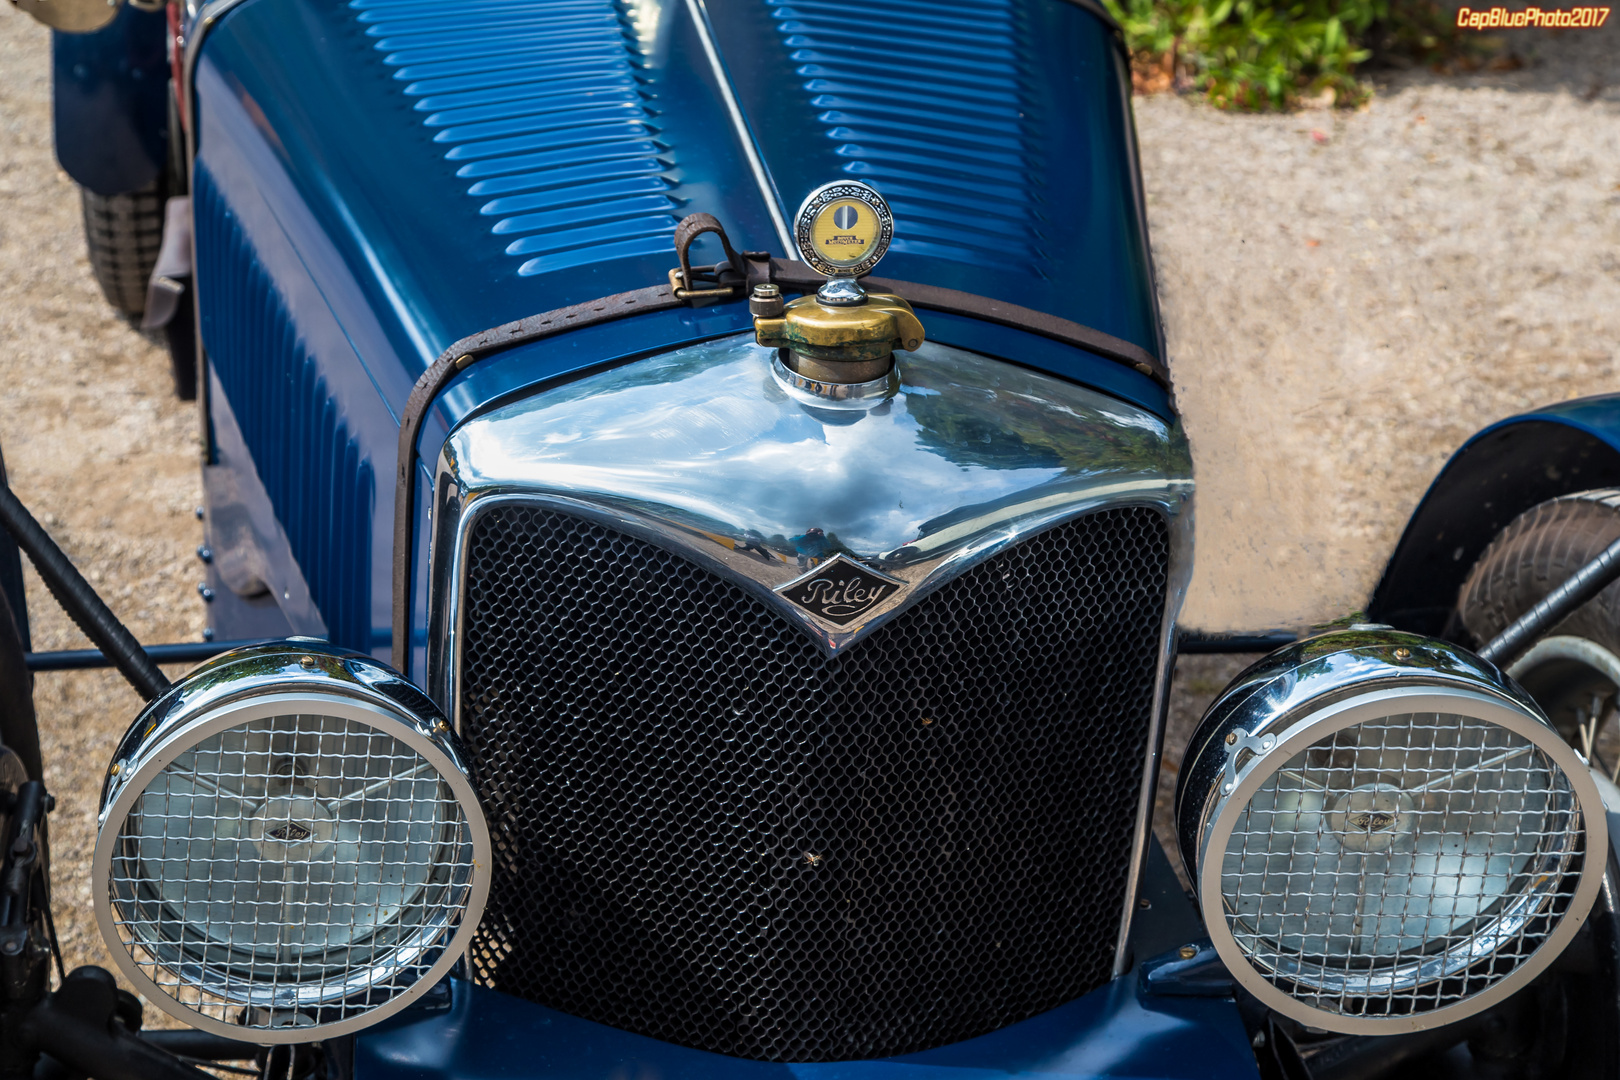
(1385, 834)
(288, 846)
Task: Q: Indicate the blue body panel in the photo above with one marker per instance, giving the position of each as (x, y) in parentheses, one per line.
(1112, 1032)
(999, 130)
(1498, 474)
(375, 122)
(338, 249)
(1116, 1031)
(110, 102)
(377, 179)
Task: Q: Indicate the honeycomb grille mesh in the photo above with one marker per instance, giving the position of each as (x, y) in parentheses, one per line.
(708, 832)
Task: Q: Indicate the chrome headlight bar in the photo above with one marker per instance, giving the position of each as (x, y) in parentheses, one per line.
(1385, 833)
(289, 846)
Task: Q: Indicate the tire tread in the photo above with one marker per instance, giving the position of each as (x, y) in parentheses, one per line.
(1535, 554)
(123, 234)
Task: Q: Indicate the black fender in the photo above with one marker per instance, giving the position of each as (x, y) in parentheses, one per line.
(110, 102)
(1498, 474)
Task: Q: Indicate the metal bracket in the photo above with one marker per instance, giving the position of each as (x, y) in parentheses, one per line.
(1237, 741)
(705, 286)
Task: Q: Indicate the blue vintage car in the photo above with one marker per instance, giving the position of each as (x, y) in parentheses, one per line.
(652, 645)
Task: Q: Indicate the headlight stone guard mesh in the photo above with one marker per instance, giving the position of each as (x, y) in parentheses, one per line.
(289, 871)
(708, 832)
(1403, 864)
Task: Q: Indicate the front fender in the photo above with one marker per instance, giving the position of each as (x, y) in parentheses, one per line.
(1498, 474)
(110, 102)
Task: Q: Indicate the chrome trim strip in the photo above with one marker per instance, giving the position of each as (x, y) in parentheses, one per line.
(203, 16)
(1181, 566)
(756, 164)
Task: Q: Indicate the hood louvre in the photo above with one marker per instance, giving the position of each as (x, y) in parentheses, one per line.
(938, 126)
(537, 104)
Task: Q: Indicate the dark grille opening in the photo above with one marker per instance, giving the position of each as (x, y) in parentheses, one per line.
(708, 832)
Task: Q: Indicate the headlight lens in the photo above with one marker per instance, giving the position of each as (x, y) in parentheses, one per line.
(287, 848)
(1383, 846)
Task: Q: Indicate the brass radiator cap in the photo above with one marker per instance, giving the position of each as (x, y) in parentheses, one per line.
(846, 343)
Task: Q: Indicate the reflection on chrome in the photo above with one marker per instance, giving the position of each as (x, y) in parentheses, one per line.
(702, 450)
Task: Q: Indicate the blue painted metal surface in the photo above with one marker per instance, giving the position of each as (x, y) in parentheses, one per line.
(409, 173)
(1498, 474)
(1598, 416)
(541, 152)
(110, 102)
(1111, 1032)
(411, 133)
(539, 108)
(271, 327)
(472, 1033)
(320, 483)
(999, 130)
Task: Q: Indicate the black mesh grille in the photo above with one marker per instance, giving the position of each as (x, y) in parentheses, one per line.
(708, 832)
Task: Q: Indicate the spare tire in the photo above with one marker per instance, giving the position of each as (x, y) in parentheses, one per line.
(1574, 671)
(123, 234)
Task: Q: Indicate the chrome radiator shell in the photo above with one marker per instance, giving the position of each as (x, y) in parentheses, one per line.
(703, 453)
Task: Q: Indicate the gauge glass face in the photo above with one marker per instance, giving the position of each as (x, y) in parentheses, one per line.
(845, 231)
(1395, 841)
(843, 228)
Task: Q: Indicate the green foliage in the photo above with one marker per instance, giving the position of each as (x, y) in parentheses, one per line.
(1264, 54)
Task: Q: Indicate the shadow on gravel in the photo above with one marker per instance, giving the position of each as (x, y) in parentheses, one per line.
(1583, 63)
(1197, 680)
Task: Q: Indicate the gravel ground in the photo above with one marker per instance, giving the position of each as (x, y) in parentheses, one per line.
(98, 447)
(1348, 295)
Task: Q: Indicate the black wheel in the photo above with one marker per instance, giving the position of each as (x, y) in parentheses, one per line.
(1574, 672)
(1574, 675)
(124, 233)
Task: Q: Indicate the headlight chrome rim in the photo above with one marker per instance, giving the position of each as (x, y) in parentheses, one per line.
(1305, 723)
(443, 932)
